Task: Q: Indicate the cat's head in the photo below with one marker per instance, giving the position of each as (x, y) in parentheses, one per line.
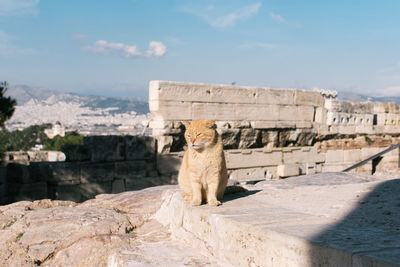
(200, 134)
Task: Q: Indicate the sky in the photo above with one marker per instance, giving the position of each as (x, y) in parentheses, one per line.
(114, 48)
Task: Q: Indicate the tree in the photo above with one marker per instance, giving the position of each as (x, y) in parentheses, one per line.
(7, 105)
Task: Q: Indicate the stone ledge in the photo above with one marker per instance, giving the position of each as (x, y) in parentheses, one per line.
(327, 219)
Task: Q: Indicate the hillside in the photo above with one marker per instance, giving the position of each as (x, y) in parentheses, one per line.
(24, 94)
(85, 113)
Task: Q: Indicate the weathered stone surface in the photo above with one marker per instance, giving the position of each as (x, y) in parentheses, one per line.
(334, 219)
(170, 110)
(97, 172)
(330, 219)
(249, 138)
(286, 170)
(112, 230)
(230, 138)
(311, 98)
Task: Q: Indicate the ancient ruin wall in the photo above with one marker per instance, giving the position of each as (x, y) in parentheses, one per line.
(103, 164)
(252, 118)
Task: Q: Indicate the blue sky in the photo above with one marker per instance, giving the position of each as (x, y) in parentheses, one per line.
(115, 48)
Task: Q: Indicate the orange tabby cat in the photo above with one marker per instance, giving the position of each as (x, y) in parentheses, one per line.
(203, 175)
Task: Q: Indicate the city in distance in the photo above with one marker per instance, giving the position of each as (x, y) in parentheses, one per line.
(86, 114)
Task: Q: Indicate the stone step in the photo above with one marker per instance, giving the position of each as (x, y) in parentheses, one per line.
(328, 219)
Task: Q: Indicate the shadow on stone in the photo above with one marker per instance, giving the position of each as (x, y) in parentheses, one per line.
(370, 234)
(238, 194)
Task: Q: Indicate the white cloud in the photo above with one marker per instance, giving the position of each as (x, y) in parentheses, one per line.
(258, 45)
(278, 18)
(18, 7)
(156, 49)
(223, 21)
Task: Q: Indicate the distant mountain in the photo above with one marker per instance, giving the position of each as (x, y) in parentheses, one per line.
(349, 96)
(23, 94)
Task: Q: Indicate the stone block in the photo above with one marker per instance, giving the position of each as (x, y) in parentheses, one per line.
(53, 156)
(347, 129)
(18, 173)
(250, 158)
(213, 111)
(367, 152)
(139, 147)
(70, 192)
(164, 144)
(90, 190)
(302, 155)
(251, 174)
(126, 169)
(3, 190)
(311, 168)
(232, 94)
(106, 148)
(198, 92)
(287, 170)
(170, 110)
(380, 107)
(332, 156)
(296, 113)
(308, 98)
(334, 167)
(364, 129)
(33, 191)
(3, 175)
(249, 138)
(303, 125)
(96, 172)
(321, 115)
(56, 172)
(76, 152)
(385, 107)
(169, 164)
(332, 118)
(352, 156)
(177, 91)
(230, 138)
(118, 186)
(4, 200)
(256, 112)
(391, 129)
(285, 124)
(335, 105)
(275, 96)
(264, 124)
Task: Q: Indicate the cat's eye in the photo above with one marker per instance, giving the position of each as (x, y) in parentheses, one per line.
(188, 135)
(198, 134)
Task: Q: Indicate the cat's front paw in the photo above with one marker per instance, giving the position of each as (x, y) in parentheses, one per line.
(214, 202)
(196, 202)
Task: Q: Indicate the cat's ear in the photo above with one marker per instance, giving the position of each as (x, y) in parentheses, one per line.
(186, 123)
(211, 124)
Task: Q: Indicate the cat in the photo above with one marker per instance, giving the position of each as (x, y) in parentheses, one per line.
(203, 175)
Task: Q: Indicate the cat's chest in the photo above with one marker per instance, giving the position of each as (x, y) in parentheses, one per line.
(204, 163)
